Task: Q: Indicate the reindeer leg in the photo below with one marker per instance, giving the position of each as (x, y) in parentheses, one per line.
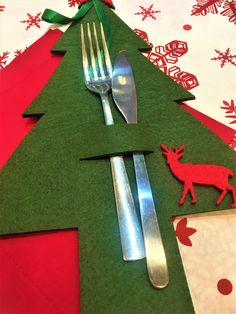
(234, 198)
(220, 198)
(184, 193)
(233, 190)
(222, 195)
(193, 196)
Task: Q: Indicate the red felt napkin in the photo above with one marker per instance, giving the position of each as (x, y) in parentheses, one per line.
(39, 272)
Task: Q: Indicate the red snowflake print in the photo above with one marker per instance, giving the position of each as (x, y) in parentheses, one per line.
(3, 59)
(185, 79)
(171, 51)
(232, 143)
(230, 110)
(162, 56)
(203, 7)
(73, 3)
(2, 7)
(183, 232)
(18, 52)
(230, 10)
(143, 35)
(32, 20)
(224, 57)
(147, 12)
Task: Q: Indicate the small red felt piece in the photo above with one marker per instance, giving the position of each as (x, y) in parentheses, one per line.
(183, 232)
(108, 2)
(203, 174)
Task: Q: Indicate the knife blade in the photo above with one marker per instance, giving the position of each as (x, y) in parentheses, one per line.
(125, 98)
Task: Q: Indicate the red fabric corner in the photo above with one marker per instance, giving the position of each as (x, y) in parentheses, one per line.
(40, 273)
(224, 132)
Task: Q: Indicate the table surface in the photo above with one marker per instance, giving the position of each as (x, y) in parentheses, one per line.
(196, 46)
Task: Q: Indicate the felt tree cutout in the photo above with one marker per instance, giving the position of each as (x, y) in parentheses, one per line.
(46, 186)
(203, 174)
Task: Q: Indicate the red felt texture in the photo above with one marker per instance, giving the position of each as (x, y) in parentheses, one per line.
(39, 273)
(20, 83)
(108, 2)
(202, 174)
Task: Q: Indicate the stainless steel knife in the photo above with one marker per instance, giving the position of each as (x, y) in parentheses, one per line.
(124, 95)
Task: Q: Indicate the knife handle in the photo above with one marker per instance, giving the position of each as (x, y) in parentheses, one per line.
(130, 230)
(155, 254)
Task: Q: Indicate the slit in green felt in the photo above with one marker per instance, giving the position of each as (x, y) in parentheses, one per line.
(125, 153)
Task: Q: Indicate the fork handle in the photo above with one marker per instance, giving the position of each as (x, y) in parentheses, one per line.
(130, 229)
(155, 254)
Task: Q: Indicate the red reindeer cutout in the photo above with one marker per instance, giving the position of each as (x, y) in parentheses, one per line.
(203, 174)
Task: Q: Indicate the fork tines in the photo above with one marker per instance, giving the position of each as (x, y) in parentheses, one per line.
(97, 61)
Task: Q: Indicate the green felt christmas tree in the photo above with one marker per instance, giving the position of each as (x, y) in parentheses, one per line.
(47, 186)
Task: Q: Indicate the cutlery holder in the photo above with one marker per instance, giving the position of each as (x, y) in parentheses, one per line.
(45, 185)
(112, 140)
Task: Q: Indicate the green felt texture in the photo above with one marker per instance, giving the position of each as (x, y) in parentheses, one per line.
(116, 139)
(45, 185)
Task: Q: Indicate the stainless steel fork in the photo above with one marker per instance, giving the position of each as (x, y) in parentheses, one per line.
(98, 74)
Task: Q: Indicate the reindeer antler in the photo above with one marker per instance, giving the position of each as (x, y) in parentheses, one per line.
(178, 150)
(164, 148)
